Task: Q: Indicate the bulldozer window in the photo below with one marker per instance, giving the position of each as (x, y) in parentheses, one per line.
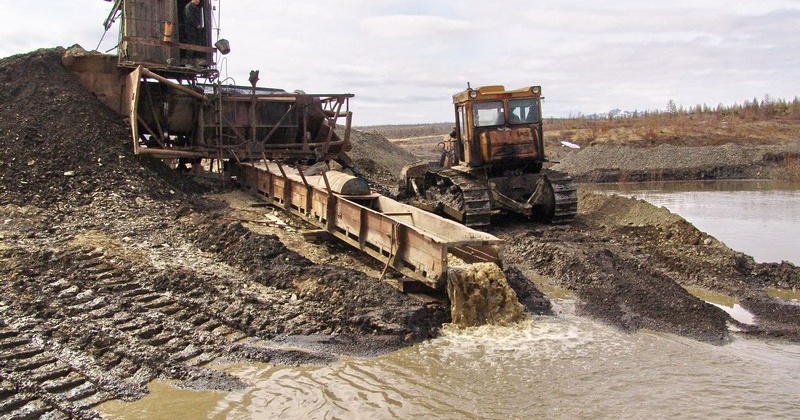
(488, 113)
(523, 111)
(462, 117)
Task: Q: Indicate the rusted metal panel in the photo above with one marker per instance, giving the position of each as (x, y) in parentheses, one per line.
(100, 75)
(428, 258)
(319, 204)
(264, 181)
(513, 145)
(299, 197)
(143, 29)
(378, 230)
(413, 242)
(348, 217)
(279, 188)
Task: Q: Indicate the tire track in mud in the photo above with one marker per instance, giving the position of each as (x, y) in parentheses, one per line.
(112, 303)
(81, 326)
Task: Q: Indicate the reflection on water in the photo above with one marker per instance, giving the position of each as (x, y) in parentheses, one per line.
(759, 218)
(738, 313)
(791, 296)
(726, 303)
(562, 367)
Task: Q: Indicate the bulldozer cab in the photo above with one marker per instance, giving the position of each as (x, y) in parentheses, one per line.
(499, 128)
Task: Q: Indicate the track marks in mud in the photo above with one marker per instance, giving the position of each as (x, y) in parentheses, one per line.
(35, 382)
(96, 328)
(114, 304)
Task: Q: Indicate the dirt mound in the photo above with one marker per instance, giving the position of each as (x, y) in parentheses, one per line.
(612, 210)
(669, 162)
(360, 304)
(531, 298)
(379, 158)
(58, 144)
(626, 260)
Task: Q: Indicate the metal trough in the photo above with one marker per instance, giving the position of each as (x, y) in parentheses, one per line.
(411, 241)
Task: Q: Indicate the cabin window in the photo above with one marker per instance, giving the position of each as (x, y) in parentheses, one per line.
(523, 111)
(488, 113)
(462, 120)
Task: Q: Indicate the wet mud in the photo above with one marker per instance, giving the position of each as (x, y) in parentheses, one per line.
(115, 270)
(629, 263)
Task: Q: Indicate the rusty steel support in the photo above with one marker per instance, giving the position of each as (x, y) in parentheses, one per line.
(411, 241)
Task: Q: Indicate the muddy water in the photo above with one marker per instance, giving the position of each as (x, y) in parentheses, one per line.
(554, 367)
(759, 218)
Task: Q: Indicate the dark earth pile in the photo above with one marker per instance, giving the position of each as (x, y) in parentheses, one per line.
(115, 271)
(615, 163)
(60, 146)
(378, 159)
(626, 260)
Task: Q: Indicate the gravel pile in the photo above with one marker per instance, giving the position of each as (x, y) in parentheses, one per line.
(665, 162)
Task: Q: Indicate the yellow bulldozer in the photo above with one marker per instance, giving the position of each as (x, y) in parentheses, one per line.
(493, 161)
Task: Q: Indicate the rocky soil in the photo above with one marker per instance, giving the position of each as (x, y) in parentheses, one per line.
(628, 263)
(617, 163)
(115, 270)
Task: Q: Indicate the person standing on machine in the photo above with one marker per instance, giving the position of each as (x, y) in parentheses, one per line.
(193, 27)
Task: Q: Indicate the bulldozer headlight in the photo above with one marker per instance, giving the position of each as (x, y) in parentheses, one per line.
(536, 90)
(473, 94)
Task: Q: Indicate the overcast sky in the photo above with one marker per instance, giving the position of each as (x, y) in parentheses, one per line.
(404, 59)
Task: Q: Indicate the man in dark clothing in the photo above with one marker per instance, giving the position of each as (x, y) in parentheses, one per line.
(193, 26)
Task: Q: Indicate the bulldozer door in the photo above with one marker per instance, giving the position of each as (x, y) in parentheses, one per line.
(463, 133)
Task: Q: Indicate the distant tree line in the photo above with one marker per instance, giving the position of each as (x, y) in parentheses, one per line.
(766, 108)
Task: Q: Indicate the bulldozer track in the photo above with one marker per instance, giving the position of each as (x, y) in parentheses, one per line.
(566, 196)
(473, 199)
(475, 202)
(98, 332)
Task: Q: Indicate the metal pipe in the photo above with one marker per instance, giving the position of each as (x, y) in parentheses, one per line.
(172, 84)
(141, 121)
(170, 153)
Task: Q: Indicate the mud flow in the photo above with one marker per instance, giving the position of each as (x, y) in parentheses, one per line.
(479, 295)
